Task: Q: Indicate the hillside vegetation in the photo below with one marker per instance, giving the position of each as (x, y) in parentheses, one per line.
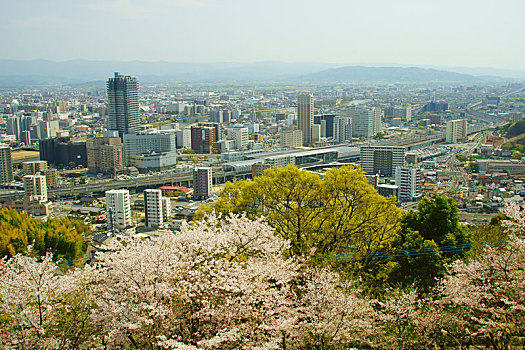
(59, 236)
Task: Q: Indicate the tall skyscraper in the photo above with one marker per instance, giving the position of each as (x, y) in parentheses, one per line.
(123, 104)
(202, 181)
(118, 209)
(6, 167)
(305, 117)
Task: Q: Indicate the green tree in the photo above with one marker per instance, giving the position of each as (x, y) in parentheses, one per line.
(334, 214)
(424, 241)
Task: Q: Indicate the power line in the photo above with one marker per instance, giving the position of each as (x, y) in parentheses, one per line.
(410, 252)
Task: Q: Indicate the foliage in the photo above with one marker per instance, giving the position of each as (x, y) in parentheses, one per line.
(216, 285)
(338, 212)
(60, 236)
(225, 284)
(515, 129)
(435, 224)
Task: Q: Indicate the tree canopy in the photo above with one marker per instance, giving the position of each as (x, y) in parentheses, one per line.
(335, 213)
(60, 236)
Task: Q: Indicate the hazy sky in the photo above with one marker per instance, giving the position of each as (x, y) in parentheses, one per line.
(476, 33)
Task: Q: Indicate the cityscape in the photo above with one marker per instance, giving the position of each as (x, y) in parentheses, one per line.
(411, 141)
(292, 175)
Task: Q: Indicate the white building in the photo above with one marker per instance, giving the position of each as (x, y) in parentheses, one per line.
(202, 182)
(118, 209)
(366, 121)
(409, 181)
(35, 186)
(239, 135)
(184, 138)
(292, 138)
(305, 117)
(342, 129)
(157, 207)
(456, 131)
(139, 144)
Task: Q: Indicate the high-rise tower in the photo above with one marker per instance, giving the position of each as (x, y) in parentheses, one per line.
(305, 117)
(123, 104)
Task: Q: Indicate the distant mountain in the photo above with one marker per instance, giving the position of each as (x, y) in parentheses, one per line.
(44, 72)
(88, 73)
(387, 74)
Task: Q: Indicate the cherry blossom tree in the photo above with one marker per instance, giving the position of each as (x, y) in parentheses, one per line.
(488, 293)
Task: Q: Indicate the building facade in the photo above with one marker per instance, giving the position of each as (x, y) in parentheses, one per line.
(35, 186)
(157, 208)
(118, 209)
(366, 121)
(408, 179)
(202, 182)
(6, 167)
(105, 155)
(292, 138)
(305, 117)
(382, 160)
(456, 131)
(342, 129)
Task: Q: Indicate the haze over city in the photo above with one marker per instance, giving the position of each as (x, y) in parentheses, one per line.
(469, 33)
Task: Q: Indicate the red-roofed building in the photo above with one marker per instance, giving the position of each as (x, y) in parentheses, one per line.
(175, 191)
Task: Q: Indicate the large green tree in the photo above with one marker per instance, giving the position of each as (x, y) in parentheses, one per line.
(337, 213)
(429, 239)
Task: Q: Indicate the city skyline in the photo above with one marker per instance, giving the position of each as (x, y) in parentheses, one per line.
(455, 34)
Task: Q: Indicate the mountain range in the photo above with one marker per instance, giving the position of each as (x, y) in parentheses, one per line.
(43, 72)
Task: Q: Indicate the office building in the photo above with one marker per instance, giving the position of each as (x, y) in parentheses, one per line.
(366, 121)
(316, 134)
(435, 107)
(118, 209)
(61, 152)
(305, 117)
(342, 129)
(202, 182)
(402, 112)
(148, 144)
(123, 104)
(202, 138)
(327, 124)
(14, 126)
(292, 138)
(6, 167)
(408, 179)
(456, 131)
(105, 155)
(239, 135)
(216, 116)
(157, 207)
(35, 186)
(382, 160)
(184, 138)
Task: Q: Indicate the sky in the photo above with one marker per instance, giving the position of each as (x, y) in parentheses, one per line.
(455, 33)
